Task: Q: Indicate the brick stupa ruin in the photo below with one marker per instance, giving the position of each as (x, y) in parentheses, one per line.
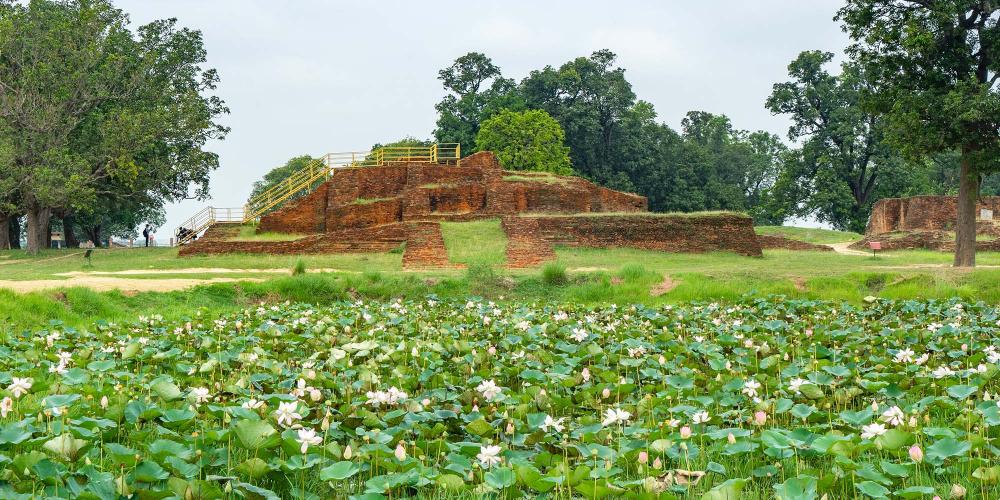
(377, 209)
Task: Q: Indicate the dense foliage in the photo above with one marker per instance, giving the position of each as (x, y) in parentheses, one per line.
(526, 140)
(99, 125)
(761, 398)
(934, 68)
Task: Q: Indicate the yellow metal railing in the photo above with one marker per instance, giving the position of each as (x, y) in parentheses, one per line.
(205, 218)
(307, 178)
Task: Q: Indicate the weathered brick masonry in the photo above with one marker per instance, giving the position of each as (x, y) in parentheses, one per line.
(668, 233)
(922, 213)
(375, 209)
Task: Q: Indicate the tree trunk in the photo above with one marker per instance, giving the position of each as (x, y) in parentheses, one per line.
(5, 231)
(965, 228)
(69, 232)
(14, 231)
(94, 233)
(38, 228)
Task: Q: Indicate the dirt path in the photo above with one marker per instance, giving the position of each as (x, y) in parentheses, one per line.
(842, 248)
(103, 284)
(663, 287)
(193, 270)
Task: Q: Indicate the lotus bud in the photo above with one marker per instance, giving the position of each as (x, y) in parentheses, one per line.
(916, 454)
(348, 453)
(731, 438)
(759, 418)
(426, 402)
(400, 452)
(606, 393)
(510, 428)
(957, 491)
(315, 395)
(657, 464)
(104, 402)
(662, 360)
(585, 374)
(685, 432)
(643, 457)
(875, 406)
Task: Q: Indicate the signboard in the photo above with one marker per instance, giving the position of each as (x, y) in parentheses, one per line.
(986, 214)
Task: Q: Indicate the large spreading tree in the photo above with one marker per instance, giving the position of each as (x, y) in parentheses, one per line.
(934, 67)
(99, 119)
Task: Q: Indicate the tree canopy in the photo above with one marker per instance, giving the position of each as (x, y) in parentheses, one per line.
(95, 115)
(526, 140)
(933, 66)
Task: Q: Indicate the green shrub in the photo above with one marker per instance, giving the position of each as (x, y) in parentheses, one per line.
(299, 268)
(554, 274)
(483, 279)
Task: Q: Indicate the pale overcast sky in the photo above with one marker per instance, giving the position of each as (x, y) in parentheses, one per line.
(310, 76)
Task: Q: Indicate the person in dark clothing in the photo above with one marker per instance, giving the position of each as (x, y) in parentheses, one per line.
(145, 234)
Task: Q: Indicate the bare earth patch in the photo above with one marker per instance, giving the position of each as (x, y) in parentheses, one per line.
(103, 284)
(193, 270)
(663, 287)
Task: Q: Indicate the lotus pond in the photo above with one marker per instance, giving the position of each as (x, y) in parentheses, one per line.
(439, 399)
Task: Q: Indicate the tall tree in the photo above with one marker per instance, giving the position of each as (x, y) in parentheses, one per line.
(935, 66)
(589, 97)
(843, 147)
(526, 140)
(476, 90)
(94, 112)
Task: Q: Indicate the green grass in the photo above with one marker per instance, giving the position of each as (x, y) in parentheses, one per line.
(591, 276)
(809, 234)
(369, 201)
(476, 242)
(542, 177)
(249, 233)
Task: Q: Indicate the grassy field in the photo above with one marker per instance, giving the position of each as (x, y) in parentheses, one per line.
(582, 275)
(809, 235)
(249, 233)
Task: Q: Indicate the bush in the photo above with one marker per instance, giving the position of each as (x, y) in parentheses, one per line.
(554, 274)
(299, 268)
(526, 140)
(483, 279)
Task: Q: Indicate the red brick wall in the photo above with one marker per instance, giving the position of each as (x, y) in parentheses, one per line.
(680, 233)
(921, 213)
(357, 215)
(366, 240)
(305, 215)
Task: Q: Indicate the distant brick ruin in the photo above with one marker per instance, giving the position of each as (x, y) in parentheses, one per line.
(927, 222)
(372, 209)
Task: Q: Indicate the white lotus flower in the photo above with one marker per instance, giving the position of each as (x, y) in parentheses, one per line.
(308, 437)
(579, 334)
(20, 386)
(489, 389)
(615, 416)
(489, 456)
(750, 388)
(942, 372)
(200, 395)
(253, 404)
(872, 430)
(701, 417)
(6, 406)
(904, 355)
(287, 413)
(894, 416)
(555, 424)
(795, 384)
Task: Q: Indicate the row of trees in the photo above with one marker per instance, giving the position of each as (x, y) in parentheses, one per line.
(915, 110)
(100, 126)
(841, 159)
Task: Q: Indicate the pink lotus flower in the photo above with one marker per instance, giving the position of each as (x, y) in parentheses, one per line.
(400, 452)
(760, 418)
(685, 432)
(916, 454)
